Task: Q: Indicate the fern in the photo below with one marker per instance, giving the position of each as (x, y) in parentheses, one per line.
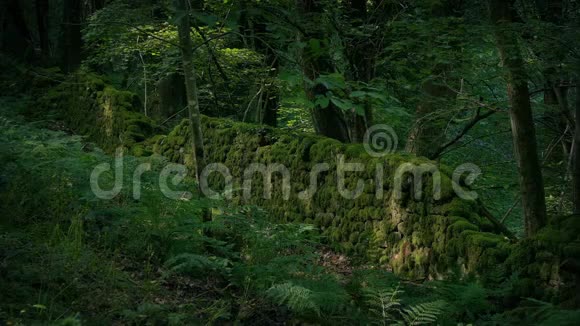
(467, 300)
(297, 298)
(424, 313)
(197, 264)
(384, 304)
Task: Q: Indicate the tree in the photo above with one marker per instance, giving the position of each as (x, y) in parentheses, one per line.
(576, 153)
(72, 42)
(328, 121)
(254, 31)
(436, 96)
(184, 29)
(523, 129)
(361, 52)
(42, 7)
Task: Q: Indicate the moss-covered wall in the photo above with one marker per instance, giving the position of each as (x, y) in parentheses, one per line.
(416, 239)
(413, 238)
(106, 115)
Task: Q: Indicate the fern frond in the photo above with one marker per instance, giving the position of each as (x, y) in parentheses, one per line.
(192, 263)
(424, 313)
(297, 298)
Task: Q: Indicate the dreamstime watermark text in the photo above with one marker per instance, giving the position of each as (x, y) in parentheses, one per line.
(379, 141)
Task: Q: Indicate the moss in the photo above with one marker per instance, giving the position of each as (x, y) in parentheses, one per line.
(460, 225)
(483, 239)
(457, 207)
(412, 237)
(106, 115)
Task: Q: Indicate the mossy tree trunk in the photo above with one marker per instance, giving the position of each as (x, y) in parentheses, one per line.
(184, 29)
(523, 129)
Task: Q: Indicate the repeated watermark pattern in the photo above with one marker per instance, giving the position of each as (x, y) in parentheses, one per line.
(379, 141)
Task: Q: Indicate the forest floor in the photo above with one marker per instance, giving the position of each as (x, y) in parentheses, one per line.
(67, 258)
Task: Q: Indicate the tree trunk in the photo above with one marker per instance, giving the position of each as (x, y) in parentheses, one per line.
(523, 129)
(184, 29)
(16, 37)
(328, 121)
(72, 44)
(269, 108)
(172, 96)
(42, 22)
(576, 154)
(361, 54)
(254, 31)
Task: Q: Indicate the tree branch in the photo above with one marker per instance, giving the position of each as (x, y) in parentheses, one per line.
(478, 117)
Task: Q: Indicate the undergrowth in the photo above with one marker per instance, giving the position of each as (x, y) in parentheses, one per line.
(68, 258)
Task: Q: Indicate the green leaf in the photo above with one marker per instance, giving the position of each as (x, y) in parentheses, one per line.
(332, 81)
(290, 77)
(356, 94)
(359, 109)
(344, 105)
(322, 101)
(315, 47)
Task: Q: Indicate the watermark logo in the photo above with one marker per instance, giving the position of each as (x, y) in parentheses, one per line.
(380, 141)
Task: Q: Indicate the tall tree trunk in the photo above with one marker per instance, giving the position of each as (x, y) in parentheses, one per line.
(523, 129)
(327, 121)
(575, 152)
(254, 31)
(72, 44)
(42, 22)
(184, 29)
(17, 37)
(361, 55)
(269, 106)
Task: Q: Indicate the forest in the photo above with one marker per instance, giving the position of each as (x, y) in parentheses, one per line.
(289, 162)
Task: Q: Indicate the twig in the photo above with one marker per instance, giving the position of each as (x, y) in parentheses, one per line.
(495, 222)
(173, 116)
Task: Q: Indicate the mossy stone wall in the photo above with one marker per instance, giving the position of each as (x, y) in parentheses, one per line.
(415, 238)
(106, 115)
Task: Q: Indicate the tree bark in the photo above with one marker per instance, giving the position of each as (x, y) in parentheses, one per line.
(184, 29)
(361, 54)
(523, 129)
(575, 152)
(328, 121)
